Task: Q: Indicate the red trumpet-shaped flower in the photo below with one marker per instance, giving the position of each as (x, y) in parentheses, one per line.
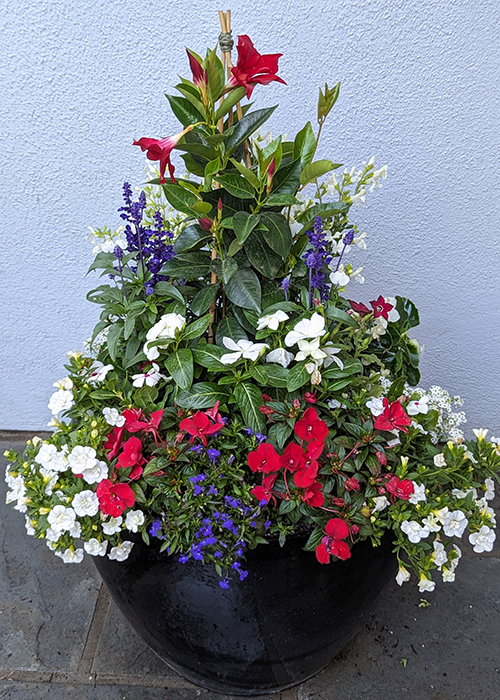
(160, 149)
(336, 531)
(114, 498)
(264, 459)
(200, 76)
(309, 427)
(393, 417)
(199, 426)
(252, 67)
(114, 442)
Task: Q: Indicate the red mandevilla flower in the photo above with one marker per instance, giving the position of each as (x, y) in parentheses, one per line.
(252, 67)
(200, 76)
(200, 426)
(309, 427)
(336, 531)
(114, 498)
(264, 459)
(161, 149)
(393, 417)
(205, 223)
(400, 488)
(132, 457)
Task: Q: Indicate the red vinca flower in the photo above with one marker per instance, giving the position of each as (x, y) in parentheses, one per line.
(200, 426)
(359, 308)
(114, 498)
(400, 488)
(252, 67)
(264, 459)
(161, 149)
(381, 308)
(132, 457)
(393, 417)
(309, 427)
(264, 492)
(336, 531)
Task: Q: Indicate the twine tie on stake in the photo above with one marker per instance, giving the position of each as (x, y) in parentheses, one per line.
(226, 41)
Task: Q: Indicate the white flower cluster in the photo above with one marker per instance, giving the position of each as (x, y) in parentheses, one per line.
(105, 240)
(438, 399)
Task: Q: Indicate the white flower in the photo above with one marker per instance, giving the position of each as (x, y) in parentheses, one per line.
(425, 584)
(112, 526)
(121, 552)
(166, 327)
(418, 406)
(432, 523)
(356, 276)
(313, 327)
(134, 519)
(310, 348)
(331, 353)
(418, 493)
(339, 277)
(99, 373)
(76, 530)
(60, 460)
(46, 455)
(376, 406)
(65, 383)
(393, 442)
(272, 321)
(61, 518)
(448, 575)
(29, 525)
(242, 348)
(280, 356)
(52, 535)
(454, 561)
(50, 477)
(360, 241)
(105, 240)
(316, 377)
(415, 531)
(379, 328)
(112, 417)
(150, 378)
(95, 548)
(96, 474)
(489, 486)
(71, 556)
(403, 575)
(480, 433)
(381, 502)
(81, 458)
(454, 523)
(439, 460)
(439, 555)
(482, 540)
(333, 404)
(486, 511)
(60, 400)
(85, 503)
(460, 493)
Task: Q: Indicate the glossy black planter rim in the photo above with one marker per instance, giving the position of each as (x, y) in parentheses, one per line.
(275, 629)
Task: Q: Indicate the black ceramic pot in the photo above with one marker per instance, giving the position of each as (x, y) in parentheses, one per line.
(278, 627)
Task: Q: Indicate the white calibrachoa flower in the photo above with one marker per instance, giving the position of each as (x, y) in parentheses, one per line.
(61, 518)
(52, 535)
(85, 503)
(376, 406)
(280, 356)
(460, 493)
(310, 348)
(480, 433)
(50, 477)
(112, 526)
(425, 584)
(61, 400)
(112, 417)
(418, 406)
(272, 321)
(81, 458)
(95, 548)
(432, 523)
(403, 575)
(46, 455)
(334, 404)
(30, 530)
(489, 486)
(307, 329)
(18, 493)
(381, 502)
(71, 556)
(121, 552)
(65, 383)
(97, 473)
(482, 540)
(99, 373)
(439, 555)
(150, 378)
(134, 520)
(241, 349)
(439, 460)
(339, 278)
(418, 493)
(414, 531)
(454, 523)
(486, 511)
(166, 327)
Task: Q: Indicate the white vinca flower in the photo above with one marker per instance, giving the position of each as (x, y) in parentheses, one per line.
(99, 373)
(418, 406)
(71, 556)
(339, 278)
(414, 531)
(134, 519)
(112, 417)
(60, 400)
(65, 384)
(482, 540)
(272, 321)
(425, 584)
(454, 523)
(403, 575)
(85, 503)
(95, 548)
(331, 355)
(121, 552)
(418, 493)
(61, 518)
(280, 356)
(306, 329)
(376, 406)
(166, 327)
(310, 348)
(112, 526)
(241, 349)
(150, 378)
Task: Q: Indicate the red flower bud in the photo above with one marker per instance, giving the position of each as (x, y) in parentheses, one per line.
(205, 223)
(381, 458)
(266, 397)
(309, 398)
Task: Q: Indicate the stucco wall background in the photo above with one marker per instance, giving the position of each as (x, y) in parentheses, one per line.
(420, 84)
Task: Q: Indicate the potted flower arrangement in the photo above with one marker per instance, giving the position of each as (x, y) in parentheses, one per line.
(238, 421)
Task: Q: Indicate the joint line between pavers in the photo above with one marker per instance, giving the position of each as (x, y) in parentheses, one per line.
(95, 630)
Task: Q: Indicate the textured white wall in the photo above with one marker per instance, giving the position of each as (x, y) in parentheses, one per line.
(420, 91)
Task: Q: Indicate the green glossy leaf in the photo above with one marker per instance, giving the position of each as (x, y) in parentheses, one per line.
(277, 376)
(229, 102)
(287, 179)
(297, 377)
(246, 126)
(249, 398)
(192, 95)
(263, 259)
(202, 395)
(236, 185)
(247, 173)
(208, 356)
(188, 266)
(234, 248)
(196, 328)
(278, 235)
(113, 339)
(244, 290)
(341, 316)
(166, 289)
(203, 300)
(314, 170)
(326, 100)
(229, 268)
(243, 224)
(129, 327)
(259, 373)
(145, 396)
(304, 145)
(180, 366)
(229, 328)
(409, 317)
(215, 82)
(180, 198)
(282, 200)
(197, 149)
(279, 433)
(184, 110)
(190, 237)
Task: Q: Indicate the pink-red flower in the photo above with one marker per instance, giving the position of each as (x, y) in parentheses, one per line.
(265, 492)
(400, 488)
(309, 427)
(199, 426)
(132, 457)
(359, 308)
(264, 459)
(114, 442)
(381, 308)
(293, 457)
(200, 77)
(313, 495)
(161, 149)
(394, 417)
(333, 544)
(114, 498)
(252, 67)
(352, 484)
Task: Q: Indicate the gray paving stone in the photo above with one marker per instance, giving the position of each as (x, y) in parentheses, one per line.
(46, 605)
(451, 647)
